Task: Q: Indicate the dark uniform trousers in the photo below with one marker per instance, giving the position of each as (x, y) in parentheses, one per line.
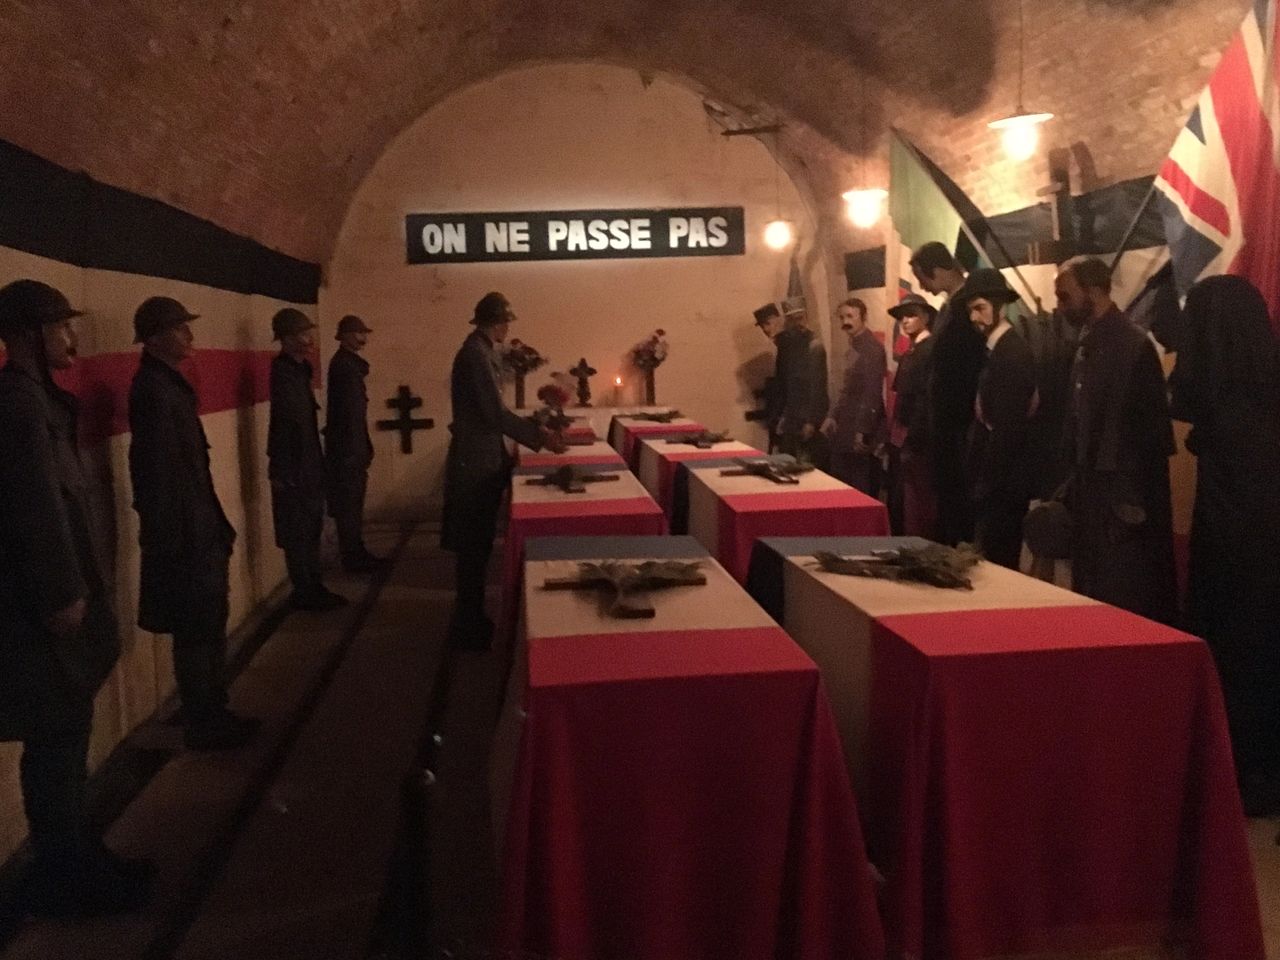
(347, 489)
(348, 451)
(200, 639)
(52, 772)
(296, 470)
(299, 520)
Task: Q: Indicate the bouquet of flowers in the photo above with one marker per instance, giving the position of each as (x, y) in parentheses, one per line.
(649, 354)
(522, 359)
(551, 415)
(647, 357)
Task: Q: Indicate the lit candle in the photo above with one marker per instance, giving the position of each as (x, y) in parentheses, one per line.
(617, 391)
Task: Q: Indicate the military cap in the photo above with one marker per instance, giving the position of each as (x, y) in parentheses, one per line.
(986, 283)
(766, 313)
(491, 309)
(351, 324)
(289, 321)
(157, 315)
(910, 301)
(792, 306)
(27, 304)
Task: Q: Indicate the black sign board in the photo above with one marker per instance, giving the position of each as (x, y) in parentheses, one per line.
(574, 235)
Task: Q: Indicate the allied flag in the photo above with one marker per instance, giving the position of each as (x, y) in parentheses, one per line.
(1219, 188)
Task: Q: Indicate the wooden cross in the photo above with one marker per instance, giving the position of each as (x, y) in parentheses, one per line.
(784, 470)
(702, 441)
(582, 371)
(404, 401)
(570, 478)
(624, 580)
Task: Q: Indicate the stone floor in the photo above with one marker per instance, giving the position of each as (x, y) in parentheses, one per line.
(348, 830)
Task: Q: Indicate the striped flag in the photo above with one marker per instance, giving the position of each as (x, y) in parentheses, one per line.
(1219, 188)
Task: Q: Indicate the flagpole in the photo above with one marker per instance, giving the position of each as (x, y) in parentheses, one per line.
(1133, 226)
(968, 230)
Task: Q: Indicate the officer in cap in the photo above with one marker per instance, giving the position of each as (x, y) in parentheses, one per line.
(802, 372)
(296, 463)
(185, 537)
(478, 466)
(999, 457)
(60, 636)
(347, 448)
(769, 319)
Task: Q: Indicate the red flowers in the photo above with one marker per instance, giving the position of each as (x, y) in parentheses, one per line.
(553, 396)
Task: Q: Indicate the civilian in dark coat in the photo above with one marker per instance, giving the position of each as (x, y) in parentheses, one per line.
(1120, 440)
(185, 537)
(347, 448)
(911, 469)
(296, 463)
(958, 355)
(802, 378)
(478, 467)
(58, 634)
(855, 427)
(1227, 386)
(999, 456)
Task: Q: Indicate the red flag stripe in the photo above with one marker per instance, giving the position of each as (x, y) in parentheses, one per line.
(223, 380)
(1202, 205)
(1249, 143)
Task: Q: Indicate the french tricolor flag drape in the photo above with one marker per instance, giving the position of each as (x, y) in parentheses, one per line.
(1219, 188)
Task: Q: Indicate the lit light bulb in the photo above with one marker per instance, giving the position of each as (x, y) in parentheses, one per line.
(1020, 142)
(778, 234)
(865, 206)
(1020, 133)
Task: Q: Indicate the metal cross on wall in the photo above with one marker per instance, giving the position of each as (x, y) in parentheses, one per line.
(404, 401)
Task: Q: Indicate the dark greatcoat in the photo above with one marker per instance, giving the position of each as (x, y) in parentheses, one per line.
(1120, 440)
(295, 461)
(1227, 385)
(958, 355)
(51, 554)
(802, 379)
(347, 447)
(184, 534)
(999, 453)
(478, 466)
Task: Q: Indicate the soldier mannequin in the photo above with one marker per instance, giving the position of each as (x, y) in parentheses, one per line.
(185, 536)
(802, 371)
(348, 450)
(296, 463)
(60, 637)
(999, 452)
(1119, 439)
(958, 355)
(769, 319)
(856, 425)
(478, 467)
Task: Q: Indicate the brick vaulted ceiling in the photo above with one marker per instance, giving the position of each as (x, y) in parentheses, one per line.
(264, 115)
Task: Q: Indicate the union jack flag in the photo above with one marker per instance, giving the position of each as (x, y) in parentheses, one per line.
(1219, 188)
